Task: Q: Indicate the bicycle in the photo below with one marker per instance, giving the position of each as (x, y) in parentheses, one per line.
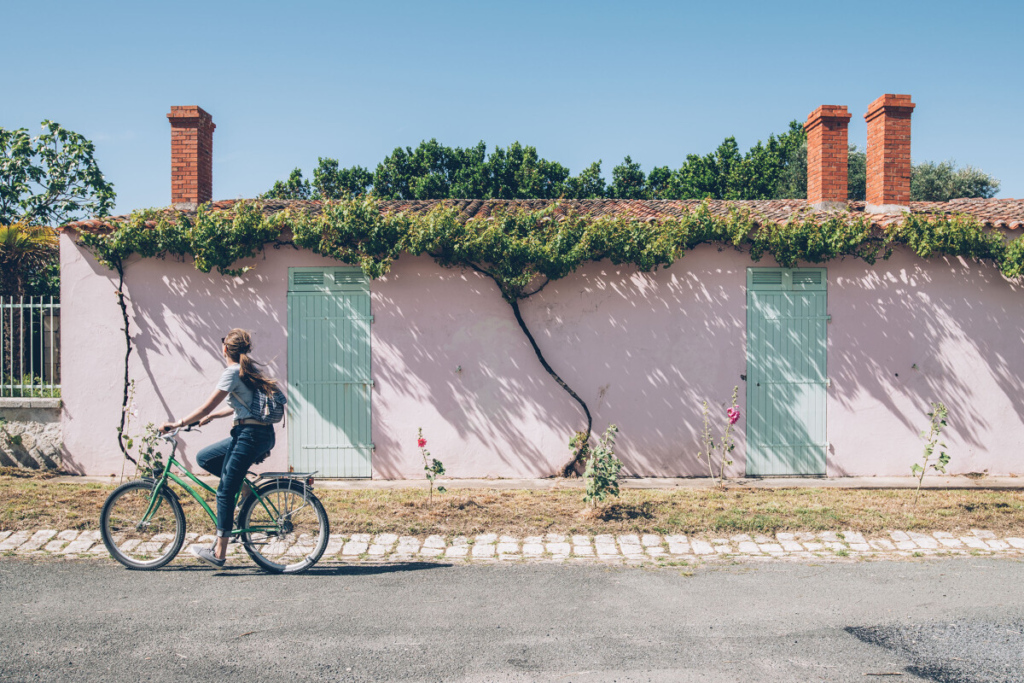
(282, 525)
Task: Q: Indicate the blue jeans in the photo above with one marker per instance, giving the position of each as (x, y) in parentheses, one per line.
(230, 459)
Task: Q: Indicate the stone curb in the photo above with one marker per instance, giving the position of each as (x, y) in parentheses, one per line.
(942, 483)
(628, 548)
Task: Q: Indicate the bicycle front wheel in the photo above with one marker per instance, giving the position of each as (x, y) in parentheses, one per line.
(285, 527)
(137, 541)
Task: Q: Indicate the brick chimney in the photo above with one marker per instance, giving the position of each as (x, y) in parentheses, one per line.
(191, 156)
(888, 169)
(827, 152)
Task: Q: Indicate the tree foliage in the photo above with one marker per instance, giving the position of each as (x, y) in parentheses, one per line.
(940, 182)
(296, 187)
(50, 179)
(46, 180)
(28, 260)
(774, 169)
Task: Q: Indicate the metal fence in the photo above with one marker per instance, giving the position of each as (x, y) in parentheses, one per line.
(29, 347)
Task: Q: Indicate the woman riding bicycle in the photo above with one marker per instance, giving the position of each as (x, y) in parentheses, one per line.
(250, 438)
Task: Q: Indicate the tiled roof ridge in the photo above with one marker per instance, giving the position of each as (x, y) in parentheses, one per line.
(992, 213)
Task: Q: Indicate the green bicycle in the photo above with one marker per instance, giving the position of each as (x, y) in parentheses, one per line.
(281, 524)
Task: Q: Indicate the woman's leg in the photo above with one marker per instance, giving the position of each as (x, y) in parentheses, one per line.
(249, 443)
(212, 457)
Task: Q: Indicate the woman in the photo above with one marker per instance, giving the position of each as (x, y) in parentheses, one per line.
(250, 439)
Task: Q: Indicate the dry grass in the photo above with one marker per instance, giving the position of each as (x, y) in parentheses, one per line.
(35, 504)
(24, 473)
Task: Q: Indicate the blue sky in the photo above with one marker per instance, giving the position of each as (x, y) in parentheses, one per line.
(581, 81)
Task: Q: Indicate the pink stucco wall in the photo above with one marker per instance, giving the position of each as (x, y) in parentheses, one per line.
(642, 349)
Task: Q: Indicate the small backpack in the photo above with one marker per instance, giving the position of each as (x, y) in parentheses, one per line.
(267, 408)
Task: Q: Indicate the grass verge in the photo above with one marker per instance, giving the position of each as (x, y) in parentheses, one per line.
(37, 504)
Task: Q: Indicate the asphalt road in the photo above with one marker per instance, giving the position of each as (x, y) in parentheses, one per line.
(936, 620)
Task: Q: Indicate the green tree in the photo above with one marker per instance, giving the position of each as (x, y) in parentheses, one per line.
(708, 175)
(856, 174)
(433, 171)
(518, 172)
(659, 182)
(589, 184)
(332, 182)
(296, 187)
(28, 260)
(50, 179)
(45, 181)
(940, 182)
(628, 181)
(769, 170)
(773, 169)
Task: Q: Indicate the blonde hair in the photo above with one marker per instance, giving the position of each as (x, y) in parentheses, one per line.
(239, 344)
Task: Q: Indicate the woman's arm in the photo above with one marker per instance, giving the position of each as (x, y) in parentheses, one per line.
(213, 416)
(199, 413)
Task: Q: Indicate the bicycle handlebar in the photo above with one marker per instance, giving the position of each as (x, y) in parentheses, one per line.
(174, 432)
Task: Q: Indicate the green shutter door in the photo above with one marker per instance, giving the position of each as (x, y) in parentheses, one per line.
(329, 371)
(786, 318)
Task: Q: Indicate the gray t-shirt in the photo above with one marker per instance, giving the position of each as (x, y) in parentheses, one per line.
(239, 395)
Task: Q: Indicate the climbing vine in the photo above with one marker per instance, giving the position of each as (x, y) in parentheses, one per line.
(523, 251)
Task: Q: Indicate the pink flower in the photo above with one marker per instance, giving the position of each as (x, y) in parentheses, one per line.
(421, 441)
(734, 415)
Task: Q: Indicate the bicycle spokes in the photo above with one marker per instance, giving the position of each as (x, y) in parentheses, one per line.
(285, 529)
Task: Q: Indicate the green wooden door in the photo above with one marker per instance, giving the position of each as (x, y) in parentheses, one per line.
(786, 329)
(329, 371)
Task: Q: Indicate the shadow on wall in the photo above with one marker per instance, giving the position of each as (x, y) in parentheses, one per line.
(649, 348)
(645, 349)
(185, 321)
(445, 339)
(635, 346)
(178, 317)
(909, 332)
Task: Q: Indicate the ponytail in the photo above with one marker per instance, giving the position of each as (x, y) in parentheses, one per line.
(238, 344)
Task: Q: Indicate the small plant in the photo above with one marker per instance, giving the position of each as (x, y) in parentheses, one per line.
(937, 423)
(726, 443)
(602, 473)
(579, 446)
(432, 466)
(151, 460)
(29, 386)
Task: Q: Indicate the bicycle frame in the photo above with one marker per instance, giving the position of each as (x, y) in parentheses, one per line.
(161, 482)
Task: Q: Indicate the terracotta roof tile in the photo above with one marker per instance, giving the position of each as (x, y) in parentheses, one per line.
(993, 213)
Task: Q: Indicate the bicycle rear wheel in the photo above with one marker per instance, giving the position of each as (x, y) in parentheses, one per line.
(137, 544)
(287, 527)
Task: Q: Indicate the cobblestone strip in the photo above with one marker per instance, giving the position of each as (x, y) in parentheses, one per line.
(623, 548)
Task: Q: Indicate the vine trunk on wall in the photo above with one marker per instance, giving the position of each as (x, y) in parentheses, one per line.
(122, 304)
(577, 445)
(516, 249)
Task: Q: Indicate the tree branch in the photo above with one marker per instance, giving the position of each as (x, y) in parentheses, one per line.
(538, 290)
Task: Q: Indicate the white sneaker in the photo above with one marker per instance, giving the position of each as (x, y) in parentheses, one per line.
(206, 555)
